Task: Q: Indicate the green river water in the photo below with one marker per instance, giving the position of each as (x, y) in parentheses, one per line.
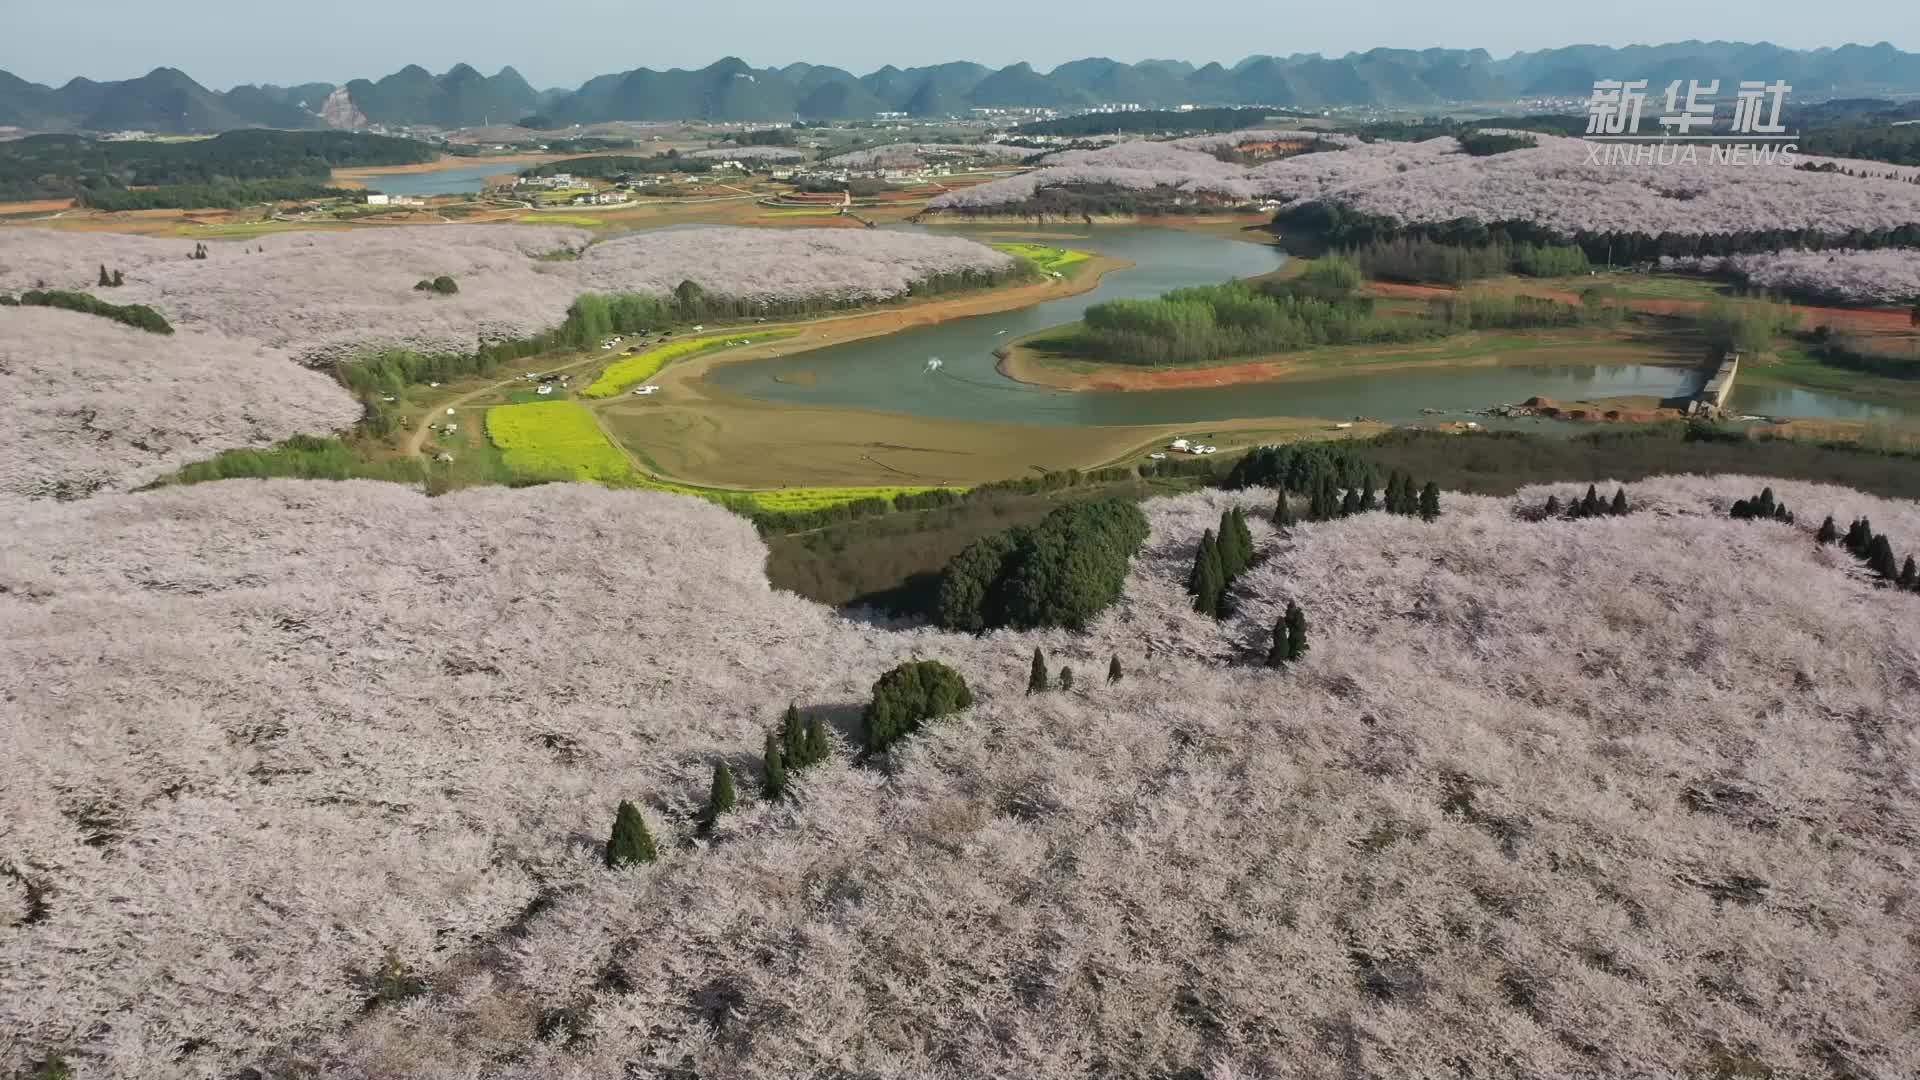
(890, 373)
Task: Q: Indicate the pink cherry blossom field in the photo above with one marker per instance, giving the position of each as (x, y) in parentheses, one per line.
(314, 779)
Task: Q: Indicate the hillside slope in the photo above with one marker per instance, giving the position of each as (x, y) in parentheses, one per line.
(1629, 796)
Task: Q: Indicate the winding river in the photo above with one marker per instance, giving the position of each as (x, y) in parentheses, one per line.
(890, 373)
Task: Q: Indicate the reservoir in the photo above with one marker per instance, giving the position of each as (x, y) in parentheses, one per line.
(453, 181)
(891, 373)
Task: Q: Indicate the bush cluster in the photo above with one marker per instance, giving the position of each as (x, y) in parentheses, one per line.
(1061, 572)
(1590, 505)
(138, 316)
(1761, 507)
(1289, 637)
(442, 285)
(909, 696)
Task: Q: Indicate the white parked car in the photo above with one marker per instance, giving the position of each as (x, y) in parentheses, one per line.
(1156, 456)
(642, 391)
(1206, 449)
(545, 388)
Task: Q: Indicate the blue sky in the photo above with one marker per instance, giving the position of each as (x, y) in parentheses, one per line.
(222, 42)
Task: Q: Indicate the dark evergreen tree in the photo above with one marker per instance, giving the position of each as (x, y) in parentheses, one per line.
(1619, 506)
(1866, 538)
(1066, 678)
(1242, 538)
(106, 279)
(1208, 581)
(1880, 558)
(909, 696)
(1742, 510)
(630, 841)
(119, 279)
(1369, 501)
(1350, 503)
(1430, 502)
(793, 739)
(1296, 624)
(1553, 506)
(1390, 502)
(1037, 678)
(1781, 513)
(1282, 511)
(1909, 574)
(1765, 507)
(1227, 540)
(720, 797)
(1113, 670)
(1590, 505)
(817, 746)
(1277, 652)
(1829, 532)
(774, 764)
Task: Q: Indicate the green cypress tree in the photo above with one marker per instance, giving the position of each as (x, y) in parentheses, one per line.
(1282, 511)
(1430, 501)
(119, 279)
(1277, 652)
(1369, 501)
(1066, 678)
(1866, 538)
(1350, 503)
(1828, 534)
(1619, 507)
(1590, 506)
(1037, 678)
(630, 842)
(817, 746)
(1909, 574)
(1210, 583)
(1208, 577)
(720, 798)
(793, 739)
(106, 279)
(1553, 507)
(1766, 504)
(775, 763)
(1880, 558)
(1391, 501)
(1228, 542)
(1113, 670)
(1243, 536)
(1296, 621)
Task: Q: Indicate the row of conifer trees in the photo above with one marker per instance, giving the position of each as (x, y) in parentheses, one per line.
(1875, 550)
(1326, 502)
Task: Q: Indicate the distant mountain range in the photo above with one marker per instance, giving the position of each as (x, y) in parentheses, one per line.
(167, 100)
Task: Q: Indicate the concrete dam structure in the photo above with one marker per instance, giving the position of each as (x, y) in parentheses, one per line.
(1711, 399)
